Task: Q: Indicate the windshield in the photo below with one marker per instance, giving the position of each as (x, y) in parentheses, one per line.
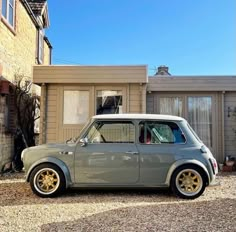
(74, 140)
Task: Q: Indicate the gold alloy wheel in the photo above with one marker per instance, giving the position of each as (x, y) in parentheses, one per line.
(189, 182)
(47, 181)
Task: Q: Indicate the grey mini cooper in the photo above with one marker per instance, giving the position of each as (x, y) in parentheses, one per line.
(124, 150)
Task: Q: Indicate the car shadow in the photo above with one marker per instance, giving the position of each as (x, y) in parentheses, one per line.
(217, 215)
(14, 191)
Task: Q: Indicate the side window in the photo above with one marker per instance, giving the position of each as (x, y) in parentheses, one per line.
(8, 11)
(160, 132)
(109, 102)
(111, 132)
(76, 107)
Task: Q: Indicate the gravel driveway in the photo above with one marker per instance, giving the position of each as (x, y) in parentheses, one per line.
(21, 210)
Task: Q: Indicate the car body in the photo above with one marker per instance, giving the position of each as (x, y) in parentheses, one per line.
(124, 150)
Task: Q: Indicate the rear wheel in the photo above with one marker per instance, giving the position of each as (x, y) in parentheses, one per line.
(47, 180)
(188, 182)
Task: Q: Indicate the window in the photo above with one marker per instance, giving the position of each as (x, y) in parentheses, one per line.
(200, 117)
(8, 9)
(76, 107)
(40, 46)
(109, 102)
(171, 106)
(160, 132)
(111, 132)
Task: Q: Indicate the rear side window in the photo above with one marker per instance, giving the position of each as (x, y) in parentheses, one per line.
(156, 132)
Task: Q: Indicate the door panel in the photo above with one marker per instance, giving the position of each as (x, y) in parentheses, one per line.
(110, 156)
(155, 161)
(158, 143)
(107, 164)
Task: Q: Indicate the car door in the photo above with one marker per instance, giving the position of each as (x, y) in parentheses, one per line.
(158, 143)
(110, 155)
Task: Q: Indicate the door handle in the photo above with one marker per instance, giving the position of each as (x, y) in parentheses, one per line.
(66, 153)
(131, 152)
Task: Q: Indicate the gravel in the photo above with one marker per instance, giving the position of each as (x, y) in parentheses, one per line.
(146, 210)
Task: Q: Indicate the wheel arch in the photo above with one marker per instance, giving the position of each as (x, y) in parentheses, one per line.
(182, 163)
(59, 163)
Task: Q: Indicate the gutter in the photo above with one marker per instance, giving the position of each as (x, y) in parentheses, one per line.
(223, 123)
(44, 98)
(50, 49)
(31, 13)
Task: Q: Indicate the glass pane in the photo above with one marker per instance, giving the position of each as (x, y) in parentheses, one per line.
(112, 132)
(11, 15)
(109, 102)
(171, 106)
(4, 8)
(76, 107)
(11, 2)
(200, 117)
(160, 132)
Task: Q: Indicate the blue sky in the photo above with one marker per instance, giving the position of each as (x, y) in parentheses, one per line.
(191, 37)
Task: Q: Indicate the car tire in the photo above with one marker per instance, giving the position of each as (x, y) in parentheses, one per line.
(47, 180)
(188, 182)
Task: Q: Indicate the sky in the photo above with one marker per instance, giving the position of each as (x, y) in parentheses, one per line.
(191, 37)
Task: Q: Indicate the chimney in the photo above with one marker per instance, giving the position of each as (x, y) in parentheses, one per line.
(162, 71)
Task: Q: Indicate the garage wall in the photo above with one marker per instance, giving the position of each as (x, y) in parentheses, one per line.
(90, 74)
(51, 124)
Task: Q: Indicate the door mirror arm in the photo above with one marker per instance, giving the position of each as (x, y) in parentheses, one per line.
(83, 142)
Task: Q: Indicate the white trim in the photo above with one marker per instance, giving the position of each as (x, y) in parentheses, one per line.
(139, 116)
(40, 52)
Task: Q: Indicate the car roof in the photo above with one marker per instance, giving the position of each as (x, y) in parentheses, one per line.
(139, 116)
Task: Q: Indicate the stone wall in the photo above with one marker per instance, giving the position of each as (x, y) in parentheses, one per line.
(6, 140)
(18, 52)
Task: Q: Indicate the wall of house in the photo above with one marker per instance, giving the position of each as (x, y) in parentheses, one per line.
(230, 123)
(18, 47)
(137, 98)
(52, 128)
(17, 55)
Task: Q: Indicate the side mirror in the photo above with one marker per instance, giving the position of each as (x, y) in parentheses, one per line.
(83, 142)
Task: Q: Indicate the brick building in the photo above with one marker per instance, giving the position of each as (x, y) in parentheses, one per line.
(22, 44)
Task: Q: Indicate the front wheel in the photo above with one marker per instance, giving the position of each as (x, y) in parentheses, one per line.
(188, 182)
(47, 180)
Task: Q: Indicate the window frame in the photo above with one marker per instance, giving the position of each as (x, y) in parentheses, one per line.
(211, 145)
(63, 100)
(112, 121)
(111, 90)
(121, 88)
(181, 98)
(144, 122)
(6, 18)
(184, 95)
